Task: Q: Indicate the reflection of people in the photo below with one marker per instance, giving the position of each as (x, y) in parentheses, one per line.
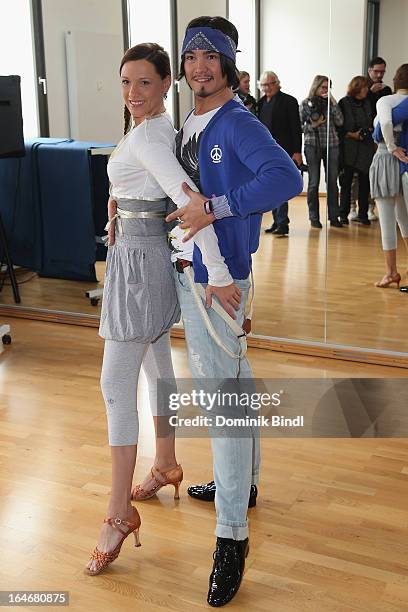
(377, 89)
(357, 148)
(244, 91)
(313, 117)
(280, 113)
(140, 302)
(239, 162)
(385, 181)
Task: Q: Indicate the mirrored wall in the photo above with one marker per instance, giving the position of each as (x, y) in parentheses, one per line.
(312, 284)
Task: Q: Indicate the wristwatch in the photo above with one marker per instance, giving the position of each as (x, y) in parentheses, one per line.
(208, 207)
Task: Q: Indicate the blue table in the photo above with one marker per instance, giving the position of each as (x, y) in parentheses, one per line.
(53, 204)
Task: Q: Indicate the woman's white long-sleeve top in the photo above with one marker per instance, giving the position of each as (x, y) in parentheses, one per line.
(144, 166)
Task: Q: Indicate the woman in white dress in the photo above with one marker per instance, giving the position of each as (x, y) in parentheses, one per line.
(139, 303)
(385, 179)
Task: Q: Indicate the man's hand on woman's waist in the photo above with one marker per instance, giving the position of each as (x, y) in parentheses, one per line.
(193, 216)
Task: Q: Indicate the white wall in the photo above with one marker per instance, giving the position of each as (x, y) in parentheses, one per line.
(17, 57)
(242, 15)
(295, 42)
(301, 39)
(99, 16)
(392, 39)
(347, 43)
(150, 29)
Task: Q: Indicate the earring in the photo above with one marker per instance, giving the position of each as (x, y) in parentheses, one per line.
(165, 95)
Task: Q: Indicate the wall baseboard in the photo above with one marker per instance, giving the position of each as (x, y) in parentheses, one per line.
(282, 345)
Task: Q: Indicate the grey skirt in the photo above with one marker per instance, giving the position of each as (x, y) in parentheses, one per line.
(385, 180)
(139, 298)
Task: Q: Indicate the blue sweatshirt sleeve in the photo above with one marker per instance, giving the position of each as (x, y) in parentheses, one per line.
(400, 112)
(276, 177)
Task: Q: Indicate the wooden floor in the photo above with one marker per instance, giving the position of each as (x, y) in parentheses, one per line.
(329, 533)
(294, 297)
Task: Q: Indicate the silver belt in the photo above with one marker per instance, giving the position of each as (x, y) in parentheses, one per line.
(128, 214)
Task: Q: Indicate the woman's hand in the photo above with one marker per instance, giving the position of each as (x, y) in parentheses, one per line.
(112, 206)
(229, 297)
(400, 154)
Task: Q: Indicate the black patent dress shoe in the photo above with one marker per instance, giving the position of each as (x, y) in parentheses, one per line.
(316, 224)
(344, 221)
(206, 492)
(335, 223)
(228, 569)
(272, 229)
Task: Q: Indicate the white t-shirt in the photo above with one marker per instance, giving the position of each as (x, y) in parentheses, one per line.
(144, 166)
(187, 147)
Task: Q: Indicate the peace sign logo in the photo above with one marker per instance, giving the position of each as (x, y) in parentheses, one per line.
(216, 154)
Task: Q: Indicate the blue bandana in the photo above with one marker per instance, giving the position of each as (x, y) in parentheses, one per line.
(209, 39)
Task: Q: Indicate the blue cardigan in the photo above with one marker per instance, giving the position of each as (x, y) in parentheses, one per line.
(239, 158)
(399, 115)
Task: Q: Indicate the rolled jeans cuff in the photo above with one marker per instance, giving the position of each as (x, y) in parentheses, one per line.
(233, 532)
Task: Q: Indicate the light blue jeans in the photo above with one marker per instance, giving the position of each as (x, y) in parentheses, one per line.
(235, 459)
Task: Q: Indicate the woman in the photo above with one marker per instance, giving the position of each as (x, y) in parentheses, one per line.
(139, 303)
(244, 92)
(316, 113)
(385, 179)
(357, 147)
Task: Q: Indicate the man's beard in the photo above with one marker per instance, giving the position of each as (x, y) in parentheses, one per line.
(202, 93)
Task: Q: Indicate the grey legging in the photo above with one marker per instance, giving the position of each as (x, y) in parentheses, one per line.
(119, 378)
(392, 211)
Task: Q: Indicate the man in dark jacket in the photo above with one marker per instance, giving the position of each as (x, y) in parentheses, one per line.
(377, 89)
(280, 113)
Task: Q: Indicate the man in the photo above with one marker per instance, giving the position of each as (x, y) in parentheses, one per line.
(377, 89)
(280, 113)
(245, 173)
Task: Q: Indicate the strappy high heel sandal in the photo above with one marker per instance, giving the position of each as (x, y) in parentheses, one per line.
(103, 559)
(388, 280)
(158, 480)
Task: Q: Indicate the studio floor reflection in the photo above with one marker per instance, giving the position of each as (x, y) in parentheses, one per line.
(290, 287)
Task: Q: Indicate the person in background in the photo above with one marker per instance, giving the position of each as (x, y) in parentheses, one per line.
(313, 117)
(385, 178)
(280, 113)
(376, 90)
(357, 147)
(244, 92)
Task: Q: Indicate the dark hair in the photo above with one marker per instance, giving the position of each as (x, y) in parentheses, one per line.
(153, 53)
(228, 68)
(356, 85)
(401, 78)
(377, 60)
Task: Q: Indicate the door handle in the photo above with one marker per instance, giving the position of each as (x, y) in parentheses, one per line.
(42, 81)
